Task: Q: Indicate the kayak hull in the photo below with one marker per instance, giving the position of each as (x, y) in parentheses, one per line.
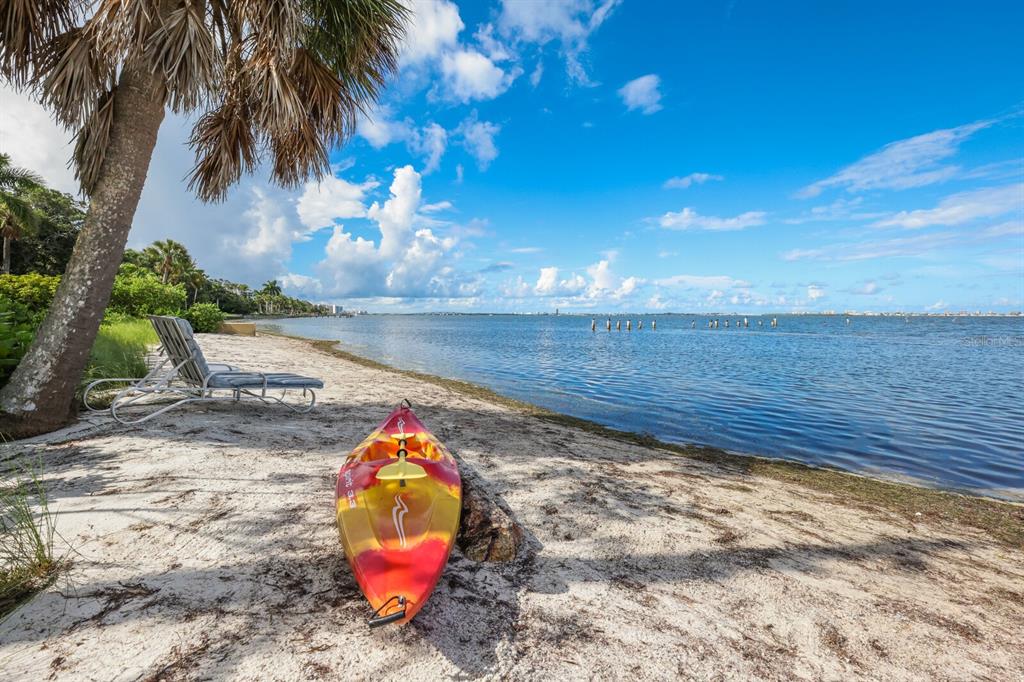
(398, 534)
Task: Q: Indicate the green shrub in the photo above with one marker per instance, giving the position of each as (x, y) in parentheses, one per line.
(17, 329)
(138, 293)
(205, 318)
(33, 290)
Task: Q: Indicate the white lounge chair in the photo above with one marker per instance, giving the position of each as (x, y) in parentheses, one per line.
(183, 373)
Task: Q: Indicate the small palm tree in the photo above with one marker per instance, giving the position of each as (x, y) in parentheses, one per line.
(271, 288)
(169, 259)
(17, 216)
(280, 81)
(194, 279)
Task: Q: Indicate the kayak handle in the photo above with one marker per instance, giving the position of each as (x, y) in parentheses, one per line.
(405, 403)
(377, 620)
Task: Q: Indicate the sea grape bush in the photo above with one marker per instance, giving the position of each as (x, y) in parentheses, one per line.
(138, 293)
(205, 318)
(33, 291)
(17, 329)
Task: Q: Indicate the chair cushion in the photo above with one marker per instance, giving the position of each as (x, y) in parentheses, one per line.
(253, 380)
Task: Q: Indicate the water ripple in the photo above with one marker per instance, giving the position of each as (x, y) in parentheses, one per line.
(937, 400)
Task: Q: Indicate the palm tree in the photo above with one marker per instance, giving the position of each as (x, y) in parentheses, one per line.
(280, 81)
(17, 216)
(271, 288)
(194, 279)
(169, 259)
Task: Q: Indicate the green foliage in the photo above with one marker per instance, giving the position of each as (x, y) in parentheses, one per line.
(48, 250)
(17, 329)
(204, 317)
(228, 296)
(120, 350)
(138, 293)
(27, 530)
(33, 291)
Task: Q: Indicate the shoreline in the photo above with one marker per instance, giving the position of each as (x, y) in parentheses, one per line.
(1003, 519)
(203, 545)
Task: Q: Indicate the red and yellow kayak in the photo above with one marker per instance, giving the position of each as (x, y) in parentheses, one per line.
(398, 501)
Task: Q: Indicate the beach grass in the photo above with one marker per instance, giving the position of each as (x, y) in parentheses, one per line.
(120, 350)
(27, 531)
(999, 520)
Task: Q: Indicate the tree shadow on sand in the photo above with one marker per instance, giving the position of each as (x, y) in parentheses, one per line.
(296, 583)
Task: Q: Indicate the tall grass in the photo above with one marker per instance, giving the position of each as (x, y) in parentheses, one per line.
(27, 530)
(120, 350)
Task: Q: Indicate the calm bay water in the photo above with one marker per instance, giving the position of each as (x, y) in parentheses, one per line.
(936, 400)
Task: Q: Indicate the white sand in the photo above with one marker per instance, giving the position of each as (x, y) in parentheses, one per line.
(205, 547)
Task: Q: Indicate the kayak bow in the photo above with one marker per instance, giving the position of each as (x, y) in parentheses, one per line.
(398, 501)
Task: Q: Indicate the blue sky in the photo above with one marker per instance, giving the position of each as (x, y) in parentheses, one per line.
(640, 156)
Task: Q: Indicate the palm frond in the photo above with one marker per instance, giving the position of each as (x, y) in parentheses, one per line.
(225, 146)
(274, 96)
(26, 27)
(19, 216)
(92, 140)
(15, 179)
(123, 25)
(73, 73)
(328, 105)
(183, 48)
(274, 25)
(299, 154)
(359, 40)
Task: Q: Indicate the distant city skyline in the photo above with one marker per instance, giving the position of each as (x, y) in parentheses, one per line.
(642, 157)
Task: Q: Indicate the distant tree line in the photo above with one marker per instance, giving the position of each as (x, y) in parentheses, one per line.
(173, 264)
(39, 226)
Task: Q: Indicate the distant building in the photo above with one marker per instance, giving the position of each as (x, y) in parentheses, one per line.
(337, 309)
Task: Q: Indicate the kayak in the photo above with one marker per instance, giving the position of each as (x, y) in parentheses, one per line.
(398, 501)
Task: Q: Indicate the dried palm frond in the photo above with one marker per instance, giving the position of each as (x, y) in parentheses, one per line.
(275, 98)
(124, 25)
(26, 26)
(299, 154)
(288, 77)
(274, 25)
(225, 147)
(92, 140)
(328, 106)
(183, 48)
(72, 71)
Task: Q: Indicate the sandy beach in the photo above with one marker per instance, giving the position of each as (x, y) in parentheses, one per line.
(203, 545)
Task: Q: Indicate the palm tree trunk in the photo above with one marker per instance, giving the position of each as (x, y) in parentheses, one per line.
(40, 395)
(7, 255)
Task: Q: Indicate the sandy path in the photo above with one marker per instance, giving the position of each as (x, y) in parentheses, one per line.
(206, 548)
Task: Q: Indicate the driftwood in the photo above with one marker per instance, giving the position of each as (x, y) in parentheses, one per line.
(487, 531)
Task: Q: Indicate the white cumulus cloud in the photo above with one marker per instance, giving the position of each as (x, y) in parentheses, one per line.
(406, 262)
(434, 26)
(330, 199)
(642, 93)
(470, 75)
